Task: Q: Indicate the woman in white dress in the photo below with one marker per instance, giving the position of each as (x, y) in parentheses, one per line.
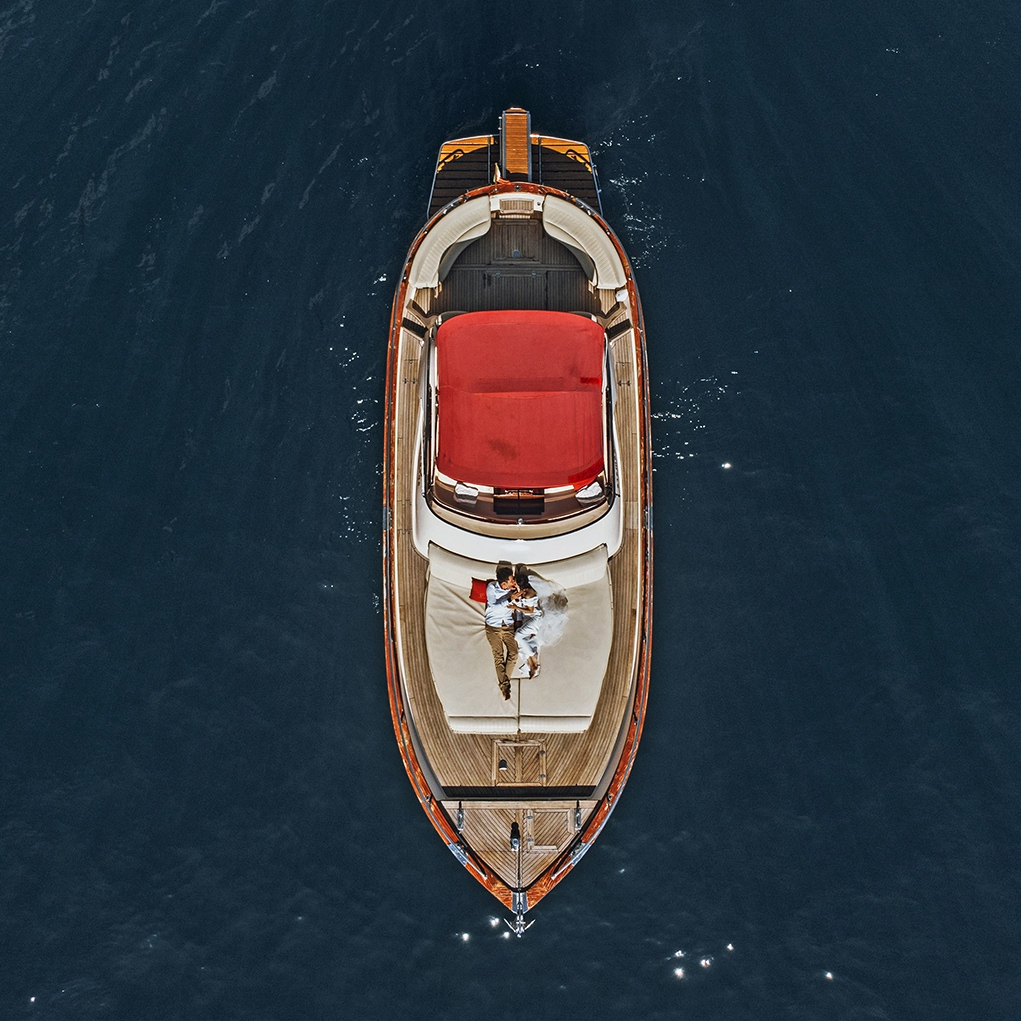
(542, 607)
(526, 603)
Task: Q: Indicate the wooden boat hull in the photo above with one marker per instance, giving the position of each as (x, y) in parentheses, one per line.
(470, 816)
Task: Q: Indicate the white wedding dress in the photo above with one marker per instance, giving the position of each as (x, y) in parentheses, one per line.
(545, 626)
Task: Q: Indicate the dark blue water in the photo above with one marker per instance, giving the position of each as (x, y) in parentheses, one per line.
(203, 208)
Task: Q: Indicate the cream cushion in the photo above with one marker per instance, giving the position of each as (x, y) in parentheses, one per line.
(563, 697)
(565, 222)
(469, 220)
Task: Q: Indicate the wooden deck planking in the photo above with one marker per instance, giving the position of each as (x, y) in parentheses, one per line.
(468, 163)
(462, 165)
(489, 276)
(567, 173)
(516, 144)
(547, 830)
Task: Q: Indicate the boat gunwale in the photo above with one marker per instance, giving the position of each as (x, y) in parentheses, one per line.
(428, 798)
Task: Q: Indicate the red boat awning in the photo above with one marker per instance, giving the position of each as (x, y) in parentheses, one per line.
(520, 399)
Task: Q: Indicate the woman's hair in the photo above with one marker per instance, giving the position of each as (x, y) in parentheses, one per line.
(524, 582)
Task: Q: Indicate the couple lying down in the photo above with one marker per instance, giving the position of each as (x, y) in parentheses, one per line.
(523, 612)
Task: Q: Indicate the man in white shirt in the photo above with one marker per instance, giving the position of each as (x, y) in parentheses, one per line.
(500, 624)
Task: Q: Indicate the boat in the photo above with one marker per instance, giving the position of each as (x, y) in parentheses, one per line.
(517, 432)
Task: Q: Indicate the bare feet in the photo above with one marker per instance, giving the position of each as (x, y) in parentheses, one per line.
(533, 665)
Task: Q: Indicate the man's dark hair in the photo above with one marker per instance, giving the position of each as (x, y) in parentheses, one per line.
(503, 571)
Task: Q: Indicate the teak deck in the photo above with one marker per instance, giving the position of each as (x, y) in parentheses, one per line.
(465, 164)
(558, 788)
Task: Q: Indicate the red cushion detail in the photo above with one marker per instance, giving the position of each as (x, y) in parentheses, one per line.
(582, 479)
(478, 591)
(520, 398)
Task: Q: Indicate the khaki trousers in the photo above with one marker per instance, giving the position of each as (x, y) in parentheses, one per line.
(505, 650)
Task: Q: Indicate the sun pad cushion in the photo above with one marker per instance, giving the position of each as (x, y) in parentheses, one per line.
(563, 696)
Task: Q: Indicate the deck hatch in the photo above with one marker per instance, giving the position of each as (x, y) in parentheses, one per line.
(519, 763)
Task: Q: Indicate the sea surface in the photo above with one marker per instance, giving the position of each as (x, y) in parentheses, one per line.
(204, 207)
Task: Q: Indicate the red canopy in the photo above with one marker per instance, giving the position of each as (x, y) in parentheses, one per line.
(520, 399)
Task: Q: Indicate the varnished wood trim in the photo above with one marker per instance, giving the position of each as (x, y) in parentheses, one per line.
(515, 143)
